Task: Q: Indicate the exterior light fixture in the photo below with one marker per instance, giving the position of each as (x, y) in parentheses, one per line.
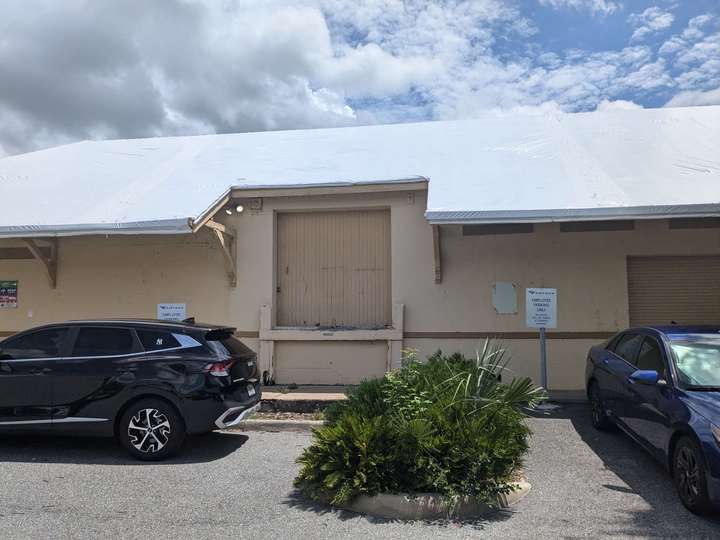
(239, 208)
(228, 211)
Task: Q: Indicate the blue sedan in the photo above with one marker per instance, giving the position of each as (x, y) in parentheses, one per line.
(661, 385)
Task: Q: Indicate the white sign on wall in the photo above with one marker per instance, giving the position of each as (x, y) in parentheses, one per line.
(171, 312)
(541, 308)
(504, 298)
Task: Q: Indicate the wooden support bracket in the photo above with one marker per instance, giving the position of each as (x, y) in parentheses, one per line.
(49, 263)
(226, 237)
(214, 225)
(437, 253)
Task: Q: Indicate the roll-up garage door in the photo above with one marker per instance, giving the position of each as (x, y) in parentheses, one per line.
(683, 289)
(333, 269)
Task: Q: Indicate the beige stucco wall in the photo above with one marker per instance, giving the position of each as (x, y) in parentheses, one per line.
(330, 362)
(128, 276)
(119, 276)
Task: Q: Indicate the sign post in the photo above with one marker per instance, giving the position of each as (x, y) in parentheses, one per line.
(543, 359)
(541, 313)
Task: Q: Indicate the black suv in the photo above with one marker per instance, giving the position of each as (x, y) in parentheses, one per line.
(148, 383)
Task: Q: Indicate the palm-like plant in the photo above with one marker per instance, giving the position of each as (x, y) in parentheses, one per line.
(449, 425)
(473, 383)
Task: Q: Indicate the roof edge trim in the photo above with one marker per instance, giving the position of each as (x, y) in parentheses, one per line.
(347, 183)
(454, 217)
(196, 223)
(166, 226)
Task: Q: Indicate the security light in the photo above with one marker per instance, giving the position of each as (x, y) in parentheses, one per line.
(228, 211)
(239, 208)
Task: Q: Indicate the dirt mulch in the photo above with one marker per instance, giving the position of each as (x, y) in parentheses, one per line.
(283, 415)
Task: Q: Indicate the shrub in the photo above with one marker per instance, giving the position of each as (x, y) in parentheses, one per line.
(448, 425)
(366, 400)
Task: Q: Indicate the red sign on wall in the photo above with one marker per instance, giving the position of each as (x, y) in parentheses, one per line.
(8, 294)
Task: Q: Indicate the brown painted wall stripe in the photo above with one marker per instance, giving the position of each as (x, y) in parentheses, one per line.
(507, 335)
(460, 335)
(247, 333)
(239, 333)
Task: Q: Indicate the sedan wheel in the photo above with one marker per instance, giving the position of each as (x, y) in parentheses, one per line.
(151, 430)
(689, 476)
(598, 416)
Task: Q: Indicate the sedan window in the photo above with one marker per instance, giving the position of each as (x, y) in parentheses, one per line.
(42, 344)
(697, 362)
(628, 345)
(651, 358)
(103, 342)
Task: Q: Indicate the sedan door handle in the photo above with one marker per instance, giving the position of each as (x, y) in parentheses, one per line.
(126, 369)
(38, 371)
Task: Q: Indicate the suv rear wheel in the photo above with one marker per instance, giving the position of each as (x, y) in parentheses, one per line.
(151, 430)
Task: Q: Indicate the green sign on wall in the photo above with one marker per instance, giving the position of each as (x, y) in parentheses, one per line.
(8, 294)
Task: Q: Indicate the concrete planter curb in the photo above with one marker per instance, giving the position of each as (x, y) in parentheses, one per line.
(431, 506)
(278, 425)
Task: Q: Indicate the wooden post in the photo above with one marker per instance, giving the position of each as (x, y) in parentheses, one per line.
(437, 253)
(266, 352)
(395, 346)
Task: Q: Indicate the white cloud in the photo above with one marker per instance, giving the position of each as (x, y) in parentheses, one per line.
(695, 26)
(602, 7)
(693, 98)
(649, 76)
(81, 69)
(78, 70)
(617, 105)
(653, 19)
(672, 45)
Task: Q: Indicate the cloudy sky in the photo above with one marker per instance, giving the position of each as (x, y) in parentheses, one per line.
(79, 69)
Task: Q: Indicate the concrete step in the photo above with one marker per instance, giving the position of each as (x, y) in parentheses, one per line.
(300, 398)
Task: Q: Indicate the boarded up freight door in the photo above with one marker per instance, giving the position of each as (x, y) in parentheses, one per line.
(333, 269)
(681, 289)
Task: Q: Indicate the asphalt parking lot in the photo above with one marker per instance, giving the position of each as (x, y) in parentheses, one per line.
(585, 484)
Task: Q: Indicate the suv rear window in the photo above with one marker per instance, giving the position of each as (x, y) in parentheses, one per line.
(157, 340)
(103, 342)
(224, 345)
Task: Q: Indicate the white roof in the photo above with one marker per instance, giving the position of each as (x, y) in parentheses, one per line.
(509, 167)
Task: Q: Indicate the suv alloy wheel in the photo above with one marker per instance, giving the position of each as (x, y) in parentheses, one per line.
(151, 429)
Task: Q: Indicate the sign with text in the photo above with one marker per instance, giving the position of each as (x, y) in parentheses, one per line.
(171, 312)
(541, 308)
(8, 294)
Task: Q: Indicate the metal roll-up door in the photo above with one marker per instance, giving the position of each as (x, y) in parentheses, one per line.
(680, 289)
(333, 269)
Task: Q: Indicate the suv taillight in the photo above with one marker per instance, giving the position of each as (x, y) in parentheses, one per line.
(220, 369)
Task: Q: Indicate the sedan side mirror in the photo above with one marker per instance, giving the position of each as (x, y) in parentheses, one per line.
(649, 377)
